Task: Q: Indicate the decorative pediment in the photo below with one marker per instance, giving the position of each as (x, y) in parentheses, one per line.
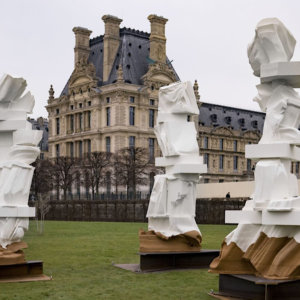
(159, 75)
(83, 74)
(222, 131)
(253, 134)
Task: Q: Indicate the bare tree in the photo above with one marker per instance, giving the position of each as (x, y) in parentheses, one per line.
(94, 166)
(42, 206)
(62, 172)
(41, 180)
(133, 168)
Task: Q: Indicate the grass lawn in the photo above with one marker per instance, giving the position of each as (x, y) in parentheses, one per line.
(79, 256)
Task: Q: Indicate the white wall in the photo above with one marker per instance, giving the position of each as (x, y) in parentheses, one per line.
(219, 190)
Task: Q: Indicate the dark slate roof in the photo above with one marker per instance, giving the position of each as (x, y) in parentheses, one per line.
(236, 118)
(133, 55)
(38, 125)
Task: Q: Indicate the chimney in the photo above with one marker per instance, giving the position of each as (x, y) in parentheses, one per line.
(158, 38)
(82, 44)
(111, 42)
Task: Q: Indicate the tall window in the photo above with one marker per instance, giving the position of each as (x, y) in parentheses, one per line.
(131, 115)
(221, 162)
(249, 164)
(57, 126)
(80, 121)
(151, 102)
(151, 149)
(107, 116)
(71, 150)
(131, 99)
(205, 142)
(151, 118)
(235, 163)
(72, 123)
(89, 118)
(89, 146)
(297, 167)
(80, 149)
(107, 143)
(57, 150)
(235, 146)
(206, 159)
(131, 141)
(221, 143)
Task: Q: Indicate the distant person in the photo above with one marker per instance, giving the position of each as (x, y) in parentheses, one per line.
(228, 195)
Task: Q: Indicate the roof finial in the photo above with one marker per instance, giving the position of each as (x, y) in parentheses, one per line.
(51, 93)
(120, 74)
(196, 87)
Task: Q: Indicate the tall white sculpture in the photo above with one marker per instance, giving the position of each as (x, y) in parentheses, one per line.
(18, 149)
(171, 210)
(267, 239)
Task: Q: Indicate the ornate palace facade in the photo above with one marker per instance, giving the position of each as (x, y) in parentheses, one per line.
(110, 100)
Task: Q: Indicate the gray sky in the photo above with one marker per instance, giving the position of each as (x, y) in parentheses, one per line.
(207, 40)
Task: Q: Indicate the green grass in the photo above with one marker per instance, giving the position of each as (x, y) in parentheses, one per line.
(79, 256)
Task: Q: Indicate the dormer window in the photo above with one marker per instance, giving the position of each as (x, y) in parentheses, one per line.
(254, 124)
(213, 118)
(228, 120)
(241, 122)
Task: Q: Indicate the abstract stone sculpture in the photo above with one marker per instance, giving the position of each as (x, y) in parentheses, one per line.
(18, 149)
(171, 210)
(267, 240)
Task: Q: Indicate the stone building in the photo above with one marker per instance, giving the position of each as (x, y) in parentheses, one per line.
(223, 133)
(41, 124)
(110, 100)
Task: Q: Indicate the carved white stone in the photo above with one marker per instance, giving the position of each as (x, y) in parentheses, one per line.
(172, 204)
(276, 201)
(18, 149)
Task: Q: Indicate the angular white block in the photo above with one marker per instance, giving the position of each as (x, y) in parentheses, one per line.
(281, 218)
(276, 150)
(17, 212)
(286, 71)
(187, 169)
(180, 159)
(243, 217)
(11, 125)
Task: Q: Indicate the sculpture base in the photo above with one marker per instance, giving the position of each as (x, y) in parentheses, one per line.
(150, 262)
(153, 243)
(158, 262)
(252, 287)
(27, 271)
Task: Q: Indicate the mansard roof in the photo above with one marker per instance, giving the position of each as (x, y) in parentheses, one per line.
(41, 124)
(235, 118)
(132, 55)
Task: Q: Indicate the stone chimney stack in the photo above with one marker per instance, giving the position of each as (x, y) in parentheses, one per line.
(111, 42)
(157, 38)
(82, 44)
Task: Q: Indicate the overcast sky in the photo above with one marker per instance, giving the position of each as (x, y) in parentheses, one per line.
(206, 40)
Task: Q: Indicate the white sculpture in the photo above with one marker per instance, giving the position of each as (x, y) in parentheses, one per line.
(171, 210)
(18, 149)
(264, 243)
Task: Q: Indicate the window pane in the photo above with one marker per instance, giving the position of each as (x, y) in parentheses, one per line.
(151, 118)
(131, 115)
(107, 142)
